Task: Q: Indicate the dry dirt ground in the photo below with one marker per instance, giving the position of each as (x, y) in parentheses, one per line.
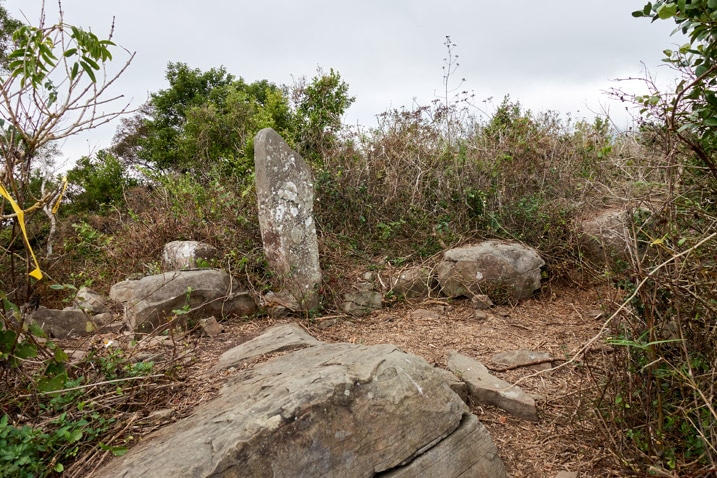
(569, 436)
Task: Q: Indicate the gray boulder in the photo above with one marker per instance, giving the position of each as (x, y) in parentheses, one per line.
(280, 338)
(523, 358)
(412, 282)
(501, 270)
(91, 302)
(323, 410)
(187, 255)
(362, 301)
(149, 301)
(69, 322)
(606, 236)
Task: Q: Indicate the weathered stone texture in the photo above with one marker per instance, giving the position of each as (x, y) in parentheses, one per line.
(494, 268)
(68, 322)
(187, 255)
(208, 292)
(486, 388)
(285, 197)
(324, 410)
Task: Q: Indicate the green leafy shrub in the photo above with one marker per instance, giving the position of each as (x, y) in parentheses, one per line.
(58, 413)
(99, 182)
(203, 118)
(662, 402)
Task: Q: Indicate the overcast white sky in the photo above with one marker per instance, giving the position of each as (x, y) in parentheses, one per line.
(550, 55)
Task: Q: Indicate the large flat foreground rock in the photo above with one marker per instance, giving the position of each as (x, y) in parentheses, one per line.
(327, 410)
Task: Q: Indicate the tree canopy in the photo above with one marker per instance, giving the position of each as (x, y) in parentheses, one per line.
(211, 117)
(202, 118)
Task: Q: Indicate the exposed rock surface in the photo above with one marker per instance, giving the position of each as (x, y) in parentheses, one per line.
(210, 326)
(187, 255)
(68, 322)
(324, 410)
(285, 197)
(457, 385)
(280, 338)
(486, 388)
(91, 302)
(501, 270)
(481, 302)
(527, 358)
(362, 301)
(606, 236)
(412, 283)
(465, 453)
(149, 301)
(567, 474)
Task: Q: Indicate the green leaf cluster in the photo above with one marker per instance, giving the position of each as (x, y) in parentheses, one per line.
(97, 182)
(210, 118)
(692, 109)
(320, 106)
(35, 55)
(205, 118)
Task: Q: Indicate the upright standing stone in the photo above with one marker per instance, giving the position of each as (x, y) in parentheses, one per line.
(285, 195)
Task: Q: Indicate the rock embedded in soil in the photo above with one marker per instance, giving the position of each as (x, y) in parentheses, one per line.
(488, 389)
(91, 302)
(504, 271)
(411, 283)
(150, 301)
(280, 338)
(362, 302)
(187, 255)
(424, 314)
(481, 301)
(69, 322)
(567, 474)
(523, 358)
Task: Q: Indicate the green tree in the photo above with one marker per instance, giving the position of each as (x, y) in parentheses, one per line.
(54, 85)
(8, 25)
(690, 112)
(203, 118)
(320, 106)
(101, 181)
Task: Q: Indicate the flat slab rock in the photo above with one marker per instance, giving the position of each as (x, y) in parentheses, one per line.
(523, 358)
(278, 339)
(327, 410)
(486, 388)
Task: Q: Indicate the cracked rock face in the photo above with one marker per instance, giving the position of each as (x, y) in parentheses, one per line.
(323, 410)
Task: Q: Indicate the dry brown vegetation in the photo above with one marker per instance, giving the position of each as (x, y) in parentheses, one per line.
(396, 195)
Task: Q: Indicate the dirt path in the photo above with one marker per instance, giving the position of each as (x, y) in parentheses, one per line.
(567, 436)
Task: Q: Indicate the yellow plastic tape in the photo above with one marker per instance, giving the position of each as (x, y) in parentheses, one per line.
(59, 198)
(37, 273)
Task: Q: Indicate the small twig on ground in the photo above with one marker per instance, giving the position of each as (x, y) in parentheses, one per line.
(524, 364)
(92, 385)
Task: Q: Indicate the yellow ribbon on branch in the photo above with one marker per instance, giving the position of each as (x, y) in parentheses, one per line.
(37, 273)
(59, 198)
